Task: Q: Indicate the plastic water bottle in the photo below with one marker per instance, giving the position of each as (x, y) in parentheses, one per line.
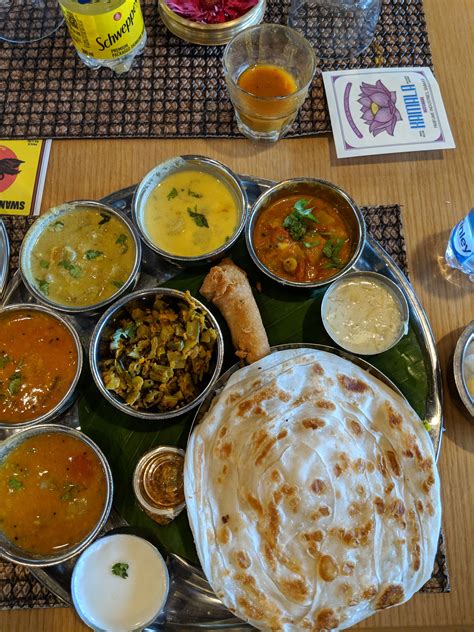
(460, 250)
(106, 33)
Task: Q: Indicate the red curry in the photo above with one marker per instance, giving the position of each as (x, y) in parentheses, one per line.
(302, 238)
(38, 363)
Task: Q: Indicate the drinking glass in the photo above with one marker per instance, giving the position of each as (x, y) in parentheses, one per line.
(338, 29)
(24, 21)
(268, 118)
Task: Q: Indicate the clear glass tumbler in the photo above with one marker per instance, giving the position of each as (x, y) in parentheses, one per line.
(268, 118)
(24, 21)
(338, 29)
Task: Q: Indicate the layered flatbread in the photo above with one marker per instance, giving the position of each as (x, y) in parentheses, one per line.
(312, 493)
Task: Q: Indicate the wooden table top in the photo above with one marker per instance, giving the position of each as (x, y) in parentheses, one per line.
(435, 190)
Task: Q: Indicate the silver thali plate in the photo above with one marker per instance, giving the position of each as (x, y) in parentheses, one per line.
(192, 603)
(4, 257)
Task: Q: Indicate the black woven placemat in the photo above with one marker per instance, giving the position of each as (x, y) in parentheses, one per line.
(174, 89)
(20, 589)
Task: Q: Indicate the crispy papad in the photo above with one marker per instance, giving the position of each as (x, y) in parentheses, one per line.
(312, 493)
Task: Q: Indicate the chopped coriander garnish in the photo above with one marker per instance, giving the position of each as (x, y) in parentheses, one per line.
(14, 484)
(4, 360)
(199, 218)
(74, 270)
(120, 569)
(105, 218)
(57, 226)
(92, 254)
(43, 286)
(121, 241)
(295, 221)
(44, 264)
(331, 249)
(14, 383)
(172, 194)
(427, 425)
(194, 194)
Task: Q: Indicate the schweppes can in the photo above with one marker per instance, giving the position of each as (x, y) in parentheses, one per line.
(108, 33)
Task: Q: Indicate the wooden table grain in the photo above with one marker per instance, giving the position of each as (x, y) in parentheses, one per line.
(435, 190)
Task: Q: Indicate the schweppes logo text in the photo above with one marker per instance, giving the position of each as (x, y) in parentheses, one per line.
(112, 38)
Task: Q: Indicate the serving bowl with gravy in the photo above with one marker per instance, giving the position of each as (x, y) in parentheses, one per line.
(40, 365)
(80, 256)
(190, 210)
(57, 489)
(305, 233)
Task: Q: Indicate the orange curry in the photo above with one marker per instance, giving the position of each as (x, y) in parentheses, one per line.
(53, 492)
(302, 238)
(38, 362)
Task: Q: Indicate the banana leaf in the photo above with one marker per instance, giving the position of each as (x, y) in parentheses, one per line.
(289, 316)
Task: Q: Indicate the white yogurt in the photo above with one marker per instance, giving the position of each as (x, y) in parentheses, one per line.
(110, 602)
(363, 315)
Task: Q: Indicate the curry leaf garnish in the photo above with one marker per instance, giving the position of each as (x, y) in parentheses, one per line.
(4, 360)
(120, 569)
(92, 254)
(172, 194)
(44, 264)
(118, 284)
(14, 484)
(57, 226)
(194, 194)
(43, 286)
(105, 219)
(14, 383)
(199, 218)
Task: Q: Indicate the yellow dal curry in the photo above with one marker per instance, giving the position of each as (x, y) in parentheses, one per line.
(190, 213)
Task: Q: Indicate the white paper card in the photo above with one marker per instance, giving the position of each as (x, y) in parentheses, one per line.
(386, 111)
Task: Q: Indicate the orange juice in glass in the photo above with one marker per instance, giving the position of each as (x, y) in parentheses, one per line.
(268, 70)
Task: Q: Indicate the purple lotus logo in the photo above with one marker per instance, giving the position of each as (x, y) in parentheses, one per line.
(378, 108)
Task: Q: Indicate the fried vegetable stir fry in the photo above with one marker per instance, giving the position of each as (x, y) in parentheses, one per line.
(161, 355)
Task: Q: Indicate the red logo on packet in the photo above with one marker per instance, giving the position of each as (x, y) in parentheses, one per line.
(9, 167)
(117, 16)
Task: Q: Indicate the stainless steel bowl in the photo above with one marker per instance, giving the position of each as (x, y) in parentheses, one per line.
(466, 339)
(68, 398)
(394, 290)
(46, 220)
(309, 186)
(209, 34)
(14, 553)
(99, 350)
(185, 163)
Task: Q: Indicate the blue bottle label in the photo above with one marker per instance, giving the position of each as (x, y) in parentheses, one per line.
(463, 238)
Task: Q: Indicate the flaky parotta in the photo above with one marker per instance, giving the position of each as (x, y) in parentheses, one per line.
(312, 494)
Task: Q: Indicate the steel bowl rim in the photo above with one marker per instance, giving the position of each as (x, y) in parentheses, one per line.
(193, 160)
(393, 287)
(110, 313)
(50, 415)
(466, 338)
(16, 439)
(26, 247)
(282, 186)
